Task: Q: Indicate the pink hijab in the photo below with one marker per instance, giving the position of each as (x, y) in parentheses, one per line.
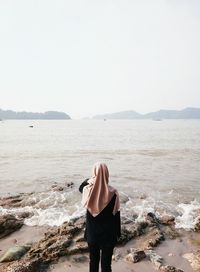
(97, 194)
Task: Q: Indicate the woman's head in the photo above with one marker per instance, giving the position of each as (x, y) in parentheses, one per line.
(97, 194)
(100, 171)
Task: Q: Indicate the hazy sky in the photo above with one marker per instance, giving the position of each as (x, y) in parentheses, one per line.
(96, 56)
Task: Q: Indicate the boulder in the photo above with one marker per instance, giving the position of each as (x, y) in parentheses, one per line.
(14, 253)
(167, 220)
(80, 258)
(194, 259)
(123, 198)
(24, 266)
(135, 255)
(197, 224)
(8, 224)
(169, 268)
(154, 258)
(116, 254)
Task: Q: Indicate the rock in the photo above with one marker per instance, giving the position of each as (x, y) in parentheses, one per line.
(143, 196)
(14, 253)
(23, 215)
(116, 254)
(157, 238)
(151, 219)
(171, 232)
(13, 201)
(57, 188)
(131, 230)
(194, 259)
(69, 184)
(123, 198)
(80, 247)
(152, 238)
(24, 266)
(8, 224)
(60, 241)
(154, 258)
(80, 258)
(197, 224)
(169, 268)
(167, 220)
(135, 255)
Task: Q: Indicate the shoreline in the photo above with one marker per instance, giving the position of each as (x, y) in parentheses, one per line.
(63, 248)
(171, 250)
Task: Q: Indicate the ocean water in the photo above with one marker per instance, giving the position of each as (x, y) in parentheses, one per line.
(155, 164)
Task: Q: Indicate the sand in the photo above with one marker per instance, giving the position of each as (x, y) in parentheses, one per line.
(171, 250)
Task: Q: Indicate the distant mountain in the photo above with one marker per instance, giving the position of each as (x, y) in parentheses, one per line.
(120, 115)
(23, 115)
(187, 113)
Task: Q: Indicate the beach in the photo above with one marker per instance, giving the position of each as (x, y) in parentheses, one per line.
(154, 166)
(63, 248)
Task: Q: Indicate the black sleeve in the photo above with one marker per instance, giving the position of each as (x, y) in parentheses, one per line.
(118, 224)
(83, 185)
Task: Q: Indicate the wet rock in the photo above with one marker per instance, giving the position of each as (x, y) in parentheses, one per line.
(24, 266)
(69, 184)
(132, 230)
(171, 232)
(79, 247)
(152, 238)
(8, 224)
(197, 224)
(169, 268)
(126, 236)
(116, 254)
(154, 258)
(123, 198)
(80, 258)
(23, 215)
(167, 220)
(14, 253)
(51, 248)
(58, 242)
(58, 189)
(151, 219)
(13, 201)
(194, 259)
(157, 238)
(143, 196)
(135, 255)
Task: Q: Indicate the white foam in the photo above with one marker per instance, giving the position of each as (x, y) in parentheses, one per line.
(189, 213)
(54, 208)
(49, 208)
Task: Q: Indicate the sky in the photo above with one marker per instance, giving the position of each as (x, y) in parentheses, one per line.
(87, 57)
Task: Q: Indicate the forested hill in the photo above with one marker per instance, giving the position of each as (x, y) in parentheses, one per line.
(23, 115)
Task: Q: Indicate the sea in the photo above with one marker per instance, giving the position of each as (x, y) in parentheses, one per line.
(155, 165)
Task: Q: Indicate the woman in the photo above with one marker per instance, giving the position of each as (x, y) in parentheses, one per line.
(102, 217)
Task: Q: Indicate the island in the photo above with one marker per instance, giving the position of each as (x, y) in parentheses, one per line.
(23, 115)
(187, 113)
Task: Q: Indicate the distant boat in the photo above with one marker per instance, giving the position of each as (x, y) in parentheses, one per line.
(157, 119)
(31, 126)
(105, 119)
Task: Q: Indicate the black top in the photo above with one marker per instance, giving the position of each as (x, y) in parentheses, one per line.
(105, 228)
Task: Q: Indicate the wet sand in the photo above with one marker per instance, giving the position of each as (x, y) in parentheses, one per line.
(171, 250)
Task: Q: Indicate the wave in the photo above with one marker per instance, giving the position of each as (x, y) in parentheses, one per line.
(54, 208)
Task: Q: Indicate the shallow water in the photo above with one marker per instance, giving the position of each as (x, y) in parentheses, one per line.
(157, 164)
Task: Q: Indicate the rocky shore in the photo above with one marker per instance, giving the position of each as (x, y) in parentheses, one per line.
(151, 244)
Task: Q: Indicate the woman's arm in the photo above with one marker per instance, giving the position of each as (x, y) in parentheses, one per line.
(118, 224)
(83, 185)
